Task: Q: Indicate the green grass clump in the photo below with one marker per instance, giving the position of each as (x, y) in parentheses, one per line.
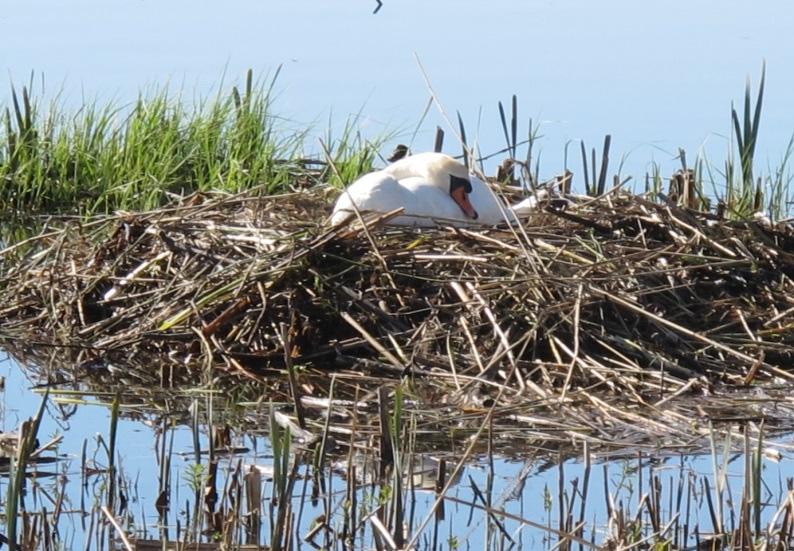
(105, 157)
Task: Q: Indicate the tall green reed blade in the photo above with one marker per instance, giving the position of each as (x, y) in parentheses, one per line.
(20, 119)
(746, 132)
(503, 120)
(249, 91)
(597, 186)
(10, 162)
(249, 83)
(511, 135)
(396, 428)
(114, 423)
(463, 141)
(532, 176)
(236, 98)
(719, 473)
(22, 138)
(757, 467)
(386, 440)
(162, 504)
(280, 442)
(197, 472)
(779, 184)
(514, 126)
(584, 168)
(28, 114)
(602, 177)
(28, 432)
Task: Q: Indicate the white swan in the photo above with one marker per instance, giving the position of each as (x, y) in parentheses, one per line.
(433, 188)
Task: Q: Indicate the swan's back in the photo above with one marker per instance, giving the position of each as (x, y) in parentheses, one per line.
(380, 192)
(434, 168)
(427, 201)
(377, 191)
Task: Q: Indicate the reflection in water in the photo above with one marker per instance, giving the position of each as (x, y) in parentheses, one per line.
(175, 482)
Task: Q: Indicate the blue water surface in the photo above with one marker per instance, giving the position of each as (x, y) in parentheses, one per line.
(656, 76)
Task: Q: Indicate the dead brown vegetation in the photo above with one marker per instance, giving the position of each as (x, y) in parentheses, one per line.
(616, 306)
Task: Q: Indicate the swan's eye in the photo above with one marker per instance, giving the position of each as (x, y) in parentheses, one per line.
(455, 182)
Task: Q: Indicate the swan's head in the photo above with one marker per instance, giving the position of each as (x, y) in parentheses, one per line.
(452, 176)
(459, 190)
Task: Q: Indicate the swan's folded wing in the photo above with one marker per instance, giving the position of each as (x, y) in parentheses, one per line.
(373, 192)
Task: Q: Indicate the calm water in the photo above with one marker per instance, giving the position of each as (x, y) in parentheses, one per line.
(526, 488)
(655, 76)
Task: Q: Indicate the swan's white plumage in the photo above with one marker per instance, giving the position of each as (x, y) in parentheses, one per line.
(420, 184)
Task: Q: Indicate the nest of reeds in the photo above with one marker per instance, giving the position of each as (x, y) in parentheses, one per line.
(616, 298)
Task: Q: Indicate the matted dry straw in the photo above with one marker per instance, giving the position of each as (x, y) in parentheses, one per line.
(615, 300)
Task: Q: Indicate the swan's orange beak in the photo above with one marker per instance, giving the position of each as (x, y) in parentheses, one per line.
(460, 196)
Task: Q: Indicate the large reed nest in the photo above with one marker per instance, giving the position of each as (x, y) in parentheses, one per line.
(615, 300)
